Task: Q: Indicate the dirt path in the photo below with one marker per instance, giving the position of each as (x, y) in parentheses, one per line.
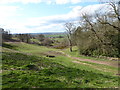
(114, 64)
(78, 61)
(96, 67)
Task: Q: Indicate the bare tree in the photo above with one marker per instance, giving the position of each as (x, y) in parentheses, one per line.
(98, 33)
(24, 37)
(113, 14)
(112, 17)
(91, 26)
(70, 27)
(41, 37)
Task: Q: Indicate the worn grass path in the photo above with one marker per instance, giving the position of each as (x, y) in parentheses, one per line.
(115, 64)
(96, 64)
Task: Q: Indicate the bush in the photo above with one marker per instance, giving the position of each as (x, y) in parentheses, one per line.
(47, 42)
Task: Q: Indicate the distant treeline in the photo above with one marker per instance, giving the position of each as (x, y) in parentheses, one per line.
(5, 35)
(39, 39)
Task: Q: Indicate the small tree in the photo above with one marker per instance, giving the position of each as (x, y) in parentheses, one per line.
(20, 37)
(24, 37)
(47, 42)
(41, 37)
(27, 38)
(70, 27)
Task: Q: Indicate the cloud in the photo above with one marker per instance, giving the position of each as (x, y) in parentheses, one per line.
(21, 1)
(7, 12)
(35, 24)
(7, 15)
(52, 1)
(45, 24)
(16, 27)
(61, 1)
(53, 23)
(46, 1)
(75, 1)
(98, 8)
(67, 1)
(75, 12)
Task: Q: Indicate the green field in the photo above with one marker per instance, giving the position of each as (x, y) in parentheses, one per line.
(55, 35)
(26, 66)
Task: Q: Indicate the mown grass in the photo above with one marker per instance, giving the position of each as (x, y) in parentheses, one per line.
(34, 71)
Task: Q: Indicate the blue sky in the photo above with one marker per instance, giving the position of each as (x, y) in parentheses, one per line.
(43, 9)
(34, 16)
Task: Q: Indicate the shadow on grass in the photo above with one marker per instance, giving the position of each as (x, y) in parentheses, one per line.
(8, 46)
(74, 50)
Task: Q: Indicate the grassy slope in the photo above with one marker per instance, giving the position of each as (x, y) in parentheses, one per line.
(29, 48)
(36, 71)
(110, 69)
(76, 54)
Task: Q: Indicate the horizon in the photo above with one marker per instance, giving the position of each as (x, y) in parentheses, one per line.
(41, 33)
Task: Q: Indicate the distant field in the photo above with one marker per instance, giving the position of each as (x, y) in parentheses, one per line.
(54, 35)
(26, 66)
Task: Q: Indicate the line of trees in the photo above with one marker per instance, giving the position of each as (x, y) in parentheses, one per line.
(24, 37)
(5, 35)
(97, 34)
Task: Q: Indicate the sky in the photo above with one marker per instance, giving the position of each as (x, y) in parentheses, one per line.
(37, 16)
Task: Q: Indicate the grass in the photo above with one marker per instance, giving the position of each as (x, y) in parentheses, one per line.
(30, 48)
(46, 73)
(59, 39)
(75, 53)
(22, 70)
(55, 35)
(8, 46)
(35, 40)
(38, 50)
(105, 69)
(93, 66)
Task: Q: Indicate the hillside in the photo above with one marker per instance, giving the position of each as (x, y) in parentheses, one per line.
(28, 66)
(60, 44)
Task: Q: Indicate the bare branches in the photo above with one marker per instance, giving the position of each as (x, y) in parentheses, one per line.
(86, 18)
(115, 16)
(69, 27)
(104, 20)
(98, 33)
(115, 9)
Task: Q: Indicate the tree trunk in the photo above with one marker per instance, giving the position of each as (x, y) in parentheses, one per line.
(70, 45)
